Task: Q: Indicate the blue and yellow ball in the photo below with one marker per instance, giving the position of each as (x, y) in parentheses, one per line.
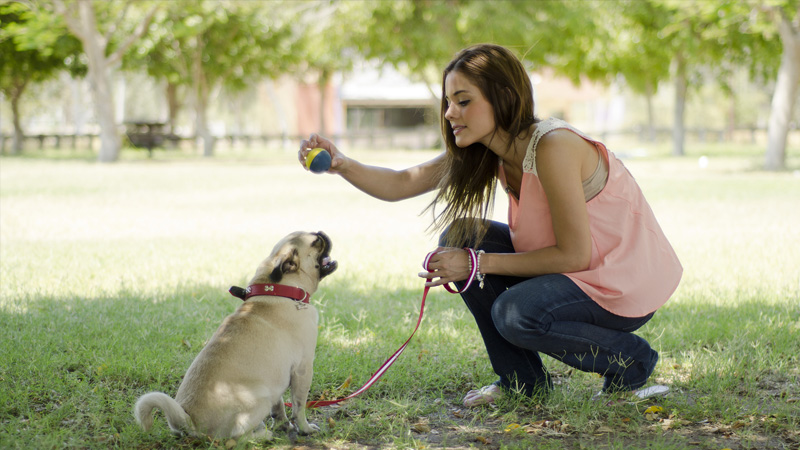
(318, 160)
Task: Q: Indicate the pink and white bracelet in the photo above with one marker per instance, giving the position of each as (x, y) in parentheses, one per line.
(474, 269)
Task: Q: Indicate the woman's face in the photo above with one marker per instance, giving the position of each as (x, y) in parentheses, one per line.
(470, 115)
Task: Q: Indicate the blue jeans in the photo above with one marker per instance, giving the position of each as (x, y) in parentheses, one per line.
(519, 318)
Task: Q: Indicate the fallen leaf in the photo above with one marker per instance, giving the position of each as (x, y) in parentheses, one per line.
(346, 383)
(421, 427)
(331, 423)
(653, 410)
(483, 440)
(512, 427)
(671, 424)
(230, 443)
(531, 430)
(604, 429)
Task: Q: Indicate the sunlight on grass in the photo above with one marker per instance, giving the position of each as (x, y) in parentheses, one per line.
(114, 276)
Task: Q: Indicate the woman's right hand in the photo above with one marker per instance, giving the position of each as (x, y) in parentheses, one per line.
(338, 159)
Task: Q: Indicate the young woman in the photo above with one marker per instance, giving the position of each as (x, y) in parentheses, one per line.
(582, 262)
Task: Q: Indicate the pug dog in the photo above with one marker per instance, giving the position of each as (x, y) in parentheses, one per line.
(264, 348)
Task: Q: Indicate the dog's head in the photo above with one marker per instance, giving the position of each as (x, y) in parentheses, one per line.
(300, 259)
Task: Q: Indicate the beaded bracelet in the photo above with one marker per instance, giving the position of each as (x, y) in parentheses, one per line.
(478, 275)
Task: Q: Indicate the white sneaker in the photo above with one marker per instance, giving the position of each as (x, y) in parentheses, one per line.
(657, 390)
(485, 395)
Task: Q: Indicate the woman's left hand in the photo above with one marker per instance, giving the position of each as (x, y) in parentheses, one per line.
(447, 265)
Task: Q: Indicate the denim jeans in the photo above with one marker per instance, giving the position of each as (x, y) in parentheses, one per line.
(519, 318)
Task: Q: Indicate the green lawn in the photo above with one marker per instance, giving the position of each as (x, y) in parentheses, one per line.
(112, 277)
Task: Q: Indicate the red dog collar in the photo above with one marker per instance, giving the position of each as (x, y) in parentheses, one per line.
(276, 290)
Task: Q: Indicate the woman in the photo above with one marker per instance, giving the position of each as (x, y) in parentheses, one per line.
(582, 262)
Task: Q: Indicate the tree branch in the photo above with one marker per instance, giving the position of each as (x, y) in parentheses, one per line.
(113, 28)
(73, 22)
(137, 33)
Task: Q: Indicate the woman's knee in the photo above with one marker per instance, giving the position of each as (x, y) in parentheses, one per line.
(515, 322)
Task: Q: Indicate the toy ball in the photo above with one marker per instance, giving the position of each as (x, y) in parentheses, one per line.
(318, 160)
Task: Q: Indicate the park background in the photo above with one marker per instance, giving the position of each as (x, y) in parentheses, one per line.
(115, 261)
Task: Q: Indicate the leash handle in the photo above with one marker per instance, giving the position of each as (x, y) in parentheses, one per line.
(385, 366)
(473, 269)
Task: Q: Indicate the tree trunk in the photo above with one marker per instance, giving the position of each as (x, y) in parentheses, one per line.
(84, 26)
(678, 129)
(82, 21)
(202, 132)
(202, 92)
(103, 100)
(322, 84)
(785, 96)
(651, 117)
(19, 134)
(173, 106)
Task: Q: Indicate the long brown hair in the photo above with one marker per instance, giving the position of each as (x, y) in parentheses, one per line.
(469, 175)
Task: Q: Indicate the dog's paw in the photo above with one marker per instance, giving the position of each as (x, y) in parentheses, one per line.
(310, 428)
(261, 432)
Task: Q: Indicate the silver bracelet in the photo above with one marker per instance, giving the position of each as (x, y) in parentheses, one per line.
(478, 275)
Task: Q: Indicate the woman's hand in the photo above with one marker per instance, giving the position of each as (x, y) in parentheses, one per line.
(447, 265)
(338, 159)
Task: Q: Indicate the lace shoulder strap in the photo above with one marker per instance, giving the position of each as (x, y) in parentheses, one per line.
(544, 127)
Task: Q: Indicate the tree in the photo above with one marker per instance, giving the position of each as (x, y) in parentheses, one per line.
(330, 44)
(416, 37)
(639, 56)
(683, 34)
(100, 27)
(209, 45)
(741, 34)
(787, 19)
(34, 48)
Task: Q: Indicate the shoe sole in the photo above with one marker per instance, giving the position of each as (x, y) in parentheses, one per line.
(658, 390)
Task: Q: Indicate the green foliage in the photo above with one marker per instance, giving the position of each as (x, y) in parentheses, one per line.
(228, 43)
(417, 37)
(35, 46)
(331, 33)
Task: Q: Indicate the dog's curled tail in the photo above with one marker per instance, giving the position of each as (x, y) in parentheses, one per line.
(177, 418)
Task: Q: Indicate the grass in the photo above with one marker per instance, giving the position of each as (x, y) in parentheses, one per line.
(112, 277)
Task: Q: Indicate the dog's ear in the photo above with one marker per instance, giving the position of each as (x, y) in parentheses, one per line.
(290, 264)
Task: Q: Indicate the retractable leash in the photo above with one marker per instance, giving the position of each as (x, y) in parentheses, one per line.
(474, 273)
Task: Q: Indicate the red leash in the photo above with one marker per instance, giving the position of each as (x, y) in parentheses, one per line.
(385, 366)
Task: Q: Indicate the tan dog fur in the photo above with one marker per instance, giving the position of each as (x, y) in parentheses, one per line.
(266, 346)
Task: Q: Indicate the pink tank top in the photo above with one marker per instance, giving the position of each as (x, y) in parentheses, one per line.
(633, 270)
